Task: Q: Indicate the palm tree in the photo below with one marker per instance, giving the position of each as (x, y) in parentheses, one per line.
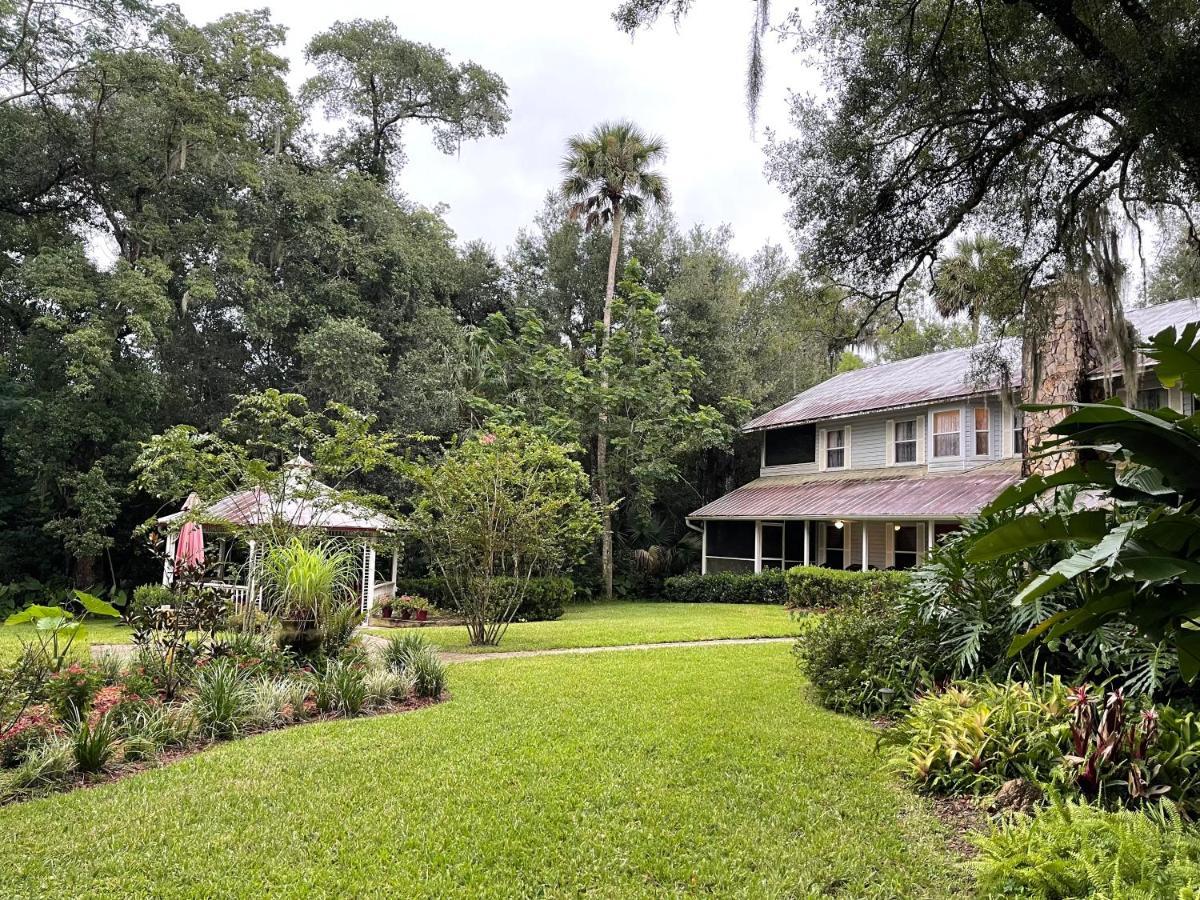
(608, 175)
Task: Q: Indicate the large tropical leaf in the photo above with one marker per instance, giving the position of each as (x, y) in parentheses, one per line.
(1178, 357)
(1085, 527)
(1089, 559)
(33, 613)
(1092, 473)
(96, 606)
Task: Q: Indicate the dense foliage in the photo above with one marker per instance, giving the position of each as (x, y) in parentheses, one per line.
(727, 587)
(1077, 850)
(864, 656)
(504, 505)
(814, 587)
(545, 597)
(1133, 552)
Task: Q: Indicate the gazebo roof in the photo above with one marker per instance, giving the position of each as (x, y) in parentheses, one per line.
(306, 503)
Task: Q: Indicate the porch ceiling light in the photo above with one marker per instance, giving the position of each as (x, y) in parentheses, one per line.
(838, 524)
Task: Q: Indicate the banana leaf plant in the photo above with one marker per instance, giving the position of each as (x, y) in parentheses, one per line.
(1130, 542)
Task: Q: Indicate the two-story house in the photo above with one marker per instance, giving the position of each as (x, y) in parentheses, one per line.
(868, 469)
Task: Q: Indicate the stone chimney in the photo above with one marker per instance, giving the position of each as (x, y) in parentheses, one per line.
(1056, 359)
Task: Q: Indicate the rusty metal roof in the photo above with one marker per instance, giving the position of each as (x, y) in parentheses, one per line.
(870, 496)
(303, 502)
(935, 377)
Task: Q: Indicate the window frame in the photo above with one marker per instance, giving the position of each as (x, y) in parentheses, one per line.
(934, 434)
(914, 440)
(842, 447)
(976, 432)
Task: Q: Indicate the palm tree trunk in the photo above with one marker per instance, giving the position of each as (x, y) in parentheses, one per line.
(606, 536)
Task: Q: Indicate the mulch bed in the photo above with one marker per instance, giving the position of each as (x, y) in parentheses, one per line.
(413, 623)
(120, 771)
(962, 817)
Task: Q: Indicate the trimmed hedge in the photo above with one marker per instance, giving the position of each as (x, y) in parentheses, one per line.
(545, 598)
(728, 587)
(813, 587)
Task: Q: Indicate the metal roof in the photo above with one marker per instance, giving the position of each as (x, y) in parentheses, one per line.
(931, 378)
(304, 503)
(868, 496)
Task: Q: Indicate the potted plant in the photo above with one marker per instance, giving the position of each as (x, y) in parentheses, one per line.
(384, 608)
(303, 583)
(420, 607)
(412, 606)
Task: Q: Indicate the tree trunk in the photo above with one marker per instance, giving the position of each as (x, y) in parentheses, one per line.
(606, 536)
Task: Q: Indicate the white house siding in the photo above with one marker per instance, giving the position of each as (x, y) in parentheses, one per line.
(867, 450)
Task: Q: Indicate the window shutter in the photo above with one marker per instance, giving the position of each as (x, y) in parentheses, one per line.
(889, 440)
(846, 456)
(822, 451)
(889, 544)
(1175, 399)
(922, 439)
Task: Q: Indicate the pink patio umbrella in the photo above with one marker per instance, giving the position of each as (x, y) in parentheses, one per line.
(189, 548)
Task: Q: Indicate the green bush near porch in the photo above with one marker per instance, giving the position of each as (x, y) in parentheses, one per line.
(813, 587)
(545, 598)
(728, 587)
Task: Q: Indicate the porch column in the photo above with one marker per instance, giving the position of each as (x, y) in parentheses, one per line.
(169, 561)
(395, 567)
(368, 576)
(704, 548)
(929, 534)
(757, 546)
(806, 549)
(863, 526)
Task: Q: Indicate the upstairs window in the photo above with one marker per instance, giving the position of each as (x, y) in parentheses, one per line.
(947, 433)
(1018, 425)
(983, 431)
(790, 446)
(835, 448)
(906, 441)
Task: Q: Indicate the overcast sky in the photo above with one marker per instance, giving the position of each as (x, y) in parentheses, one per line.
(568, 67)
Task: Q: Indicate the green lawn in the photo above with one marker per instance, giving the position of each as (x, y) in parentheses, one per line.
(108, 632)
(612, 624)
(685, 772)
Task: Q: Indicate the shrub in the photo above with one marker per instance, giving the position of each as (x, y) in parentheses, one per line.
(340, 688)
(728, 587)
(70, 692)
(384, 686)
(428, 673)
(94, 743)
(27, 732)
(1076, 850)
(255, 654)
(814, 587)
(161, 726)
(45, 767)
(148, 597)
(222, 699)
(546, 598)
(400, 649)
(973, 737)
(864, 657)
(274, 701)
(337, 625)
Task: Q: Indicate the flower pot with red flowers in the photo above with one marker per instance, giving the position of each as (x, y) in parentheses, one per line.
(412, 606)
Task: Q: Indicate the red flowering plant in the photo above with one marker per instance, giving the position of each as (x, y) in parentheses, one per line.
(33, 726)
(70, 691)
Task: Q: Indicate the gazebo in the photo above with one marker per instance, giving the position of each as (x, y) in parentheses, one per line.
(303, 503)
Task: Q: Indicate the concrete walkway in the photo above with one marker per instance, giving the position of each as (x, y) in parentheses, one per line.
(376, 641)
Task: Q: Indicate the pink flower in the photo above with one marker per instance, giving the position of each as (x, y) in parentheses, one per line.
(488, 439)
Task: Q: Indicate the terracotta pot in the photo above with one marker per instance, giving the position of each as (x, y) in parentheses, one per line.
(422, 615)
